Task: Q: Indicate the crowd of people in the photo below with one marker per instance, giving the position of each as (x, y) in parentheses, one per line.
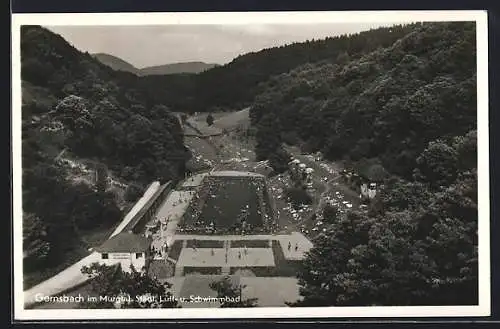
(196, 219)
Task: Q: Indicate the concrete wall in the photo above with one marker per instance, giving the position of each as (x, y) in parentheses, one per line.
(151, 190)
(150, 209)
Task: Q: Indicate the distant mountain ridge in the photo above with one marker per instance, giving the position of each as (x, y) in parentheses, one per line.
(116, 63)
(119, 64)
(184, 67)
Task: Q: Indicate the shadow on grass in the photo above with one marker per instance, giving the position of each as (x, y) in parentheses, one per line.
(283, 267)
(250, 243)
(161, 269)
(175, 250)
(202, 270)
(205, 244)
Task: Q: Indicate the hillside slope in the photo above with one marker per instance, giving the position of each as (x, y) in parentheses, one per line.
(403, 116)
(77, 112)
(244, 73)
(202, 92)
(388, 103)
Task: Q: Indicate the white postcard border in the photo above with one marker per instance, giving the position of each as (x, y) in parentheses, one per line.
(396, 17)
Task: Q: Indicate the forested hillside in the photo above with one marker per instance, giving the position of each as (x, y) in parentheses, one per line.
(76, 109)
(234, 85)
(409, 106)
(387, 104)
(242, 75)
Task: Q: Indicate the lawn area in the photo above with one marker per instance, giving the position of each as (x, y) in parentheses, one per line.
(202, 149)
(202, 270)
(229, 203)
(283, 267)
(175, 250)
(205, 244)
(199, 285)
(250, 243)
(232, 120)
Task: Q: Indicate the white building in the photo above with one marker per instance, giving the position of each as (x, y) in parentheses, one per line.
(127, 249)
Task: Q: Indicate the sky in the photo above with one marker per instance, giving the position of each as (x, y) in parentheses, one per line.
(144, 46)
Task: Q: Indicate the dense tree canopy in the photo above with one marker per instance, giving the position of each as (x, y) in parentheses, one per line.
(408, 108)
(388, 102)
(419, 248)
(210, 119)
(243, 75)
(73, 104)
(133, 289)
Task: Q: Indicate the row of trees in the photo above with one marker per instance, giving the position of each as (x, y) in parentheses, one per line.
(417, 245)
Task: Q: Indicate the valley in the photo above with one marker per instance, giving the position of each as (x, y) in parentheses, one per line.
(342, 171)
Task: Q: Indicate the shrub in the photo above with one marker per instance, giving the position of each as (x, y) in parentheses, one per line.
(210, 119)
(133, 192)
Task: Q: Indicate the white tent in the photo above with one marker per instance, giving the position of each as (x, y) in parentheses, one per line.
(309, 170)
